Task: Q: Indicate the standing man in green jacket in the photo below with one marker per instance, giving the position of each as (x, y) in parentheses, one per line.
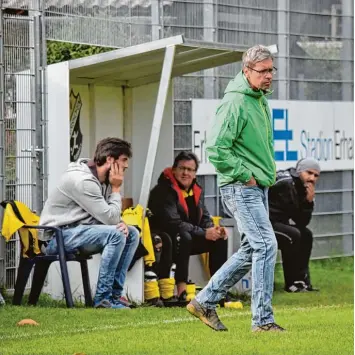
(240, 146)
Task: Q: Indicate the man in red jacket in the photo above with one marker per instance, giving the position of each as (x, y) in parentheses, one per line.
(178, 210)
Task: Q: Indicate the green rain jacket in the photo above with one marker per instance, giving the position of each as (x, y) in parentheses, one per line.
(240, 141)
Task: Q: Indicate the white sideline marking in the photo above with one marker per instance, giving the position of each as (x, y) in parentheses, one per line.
(167, 321)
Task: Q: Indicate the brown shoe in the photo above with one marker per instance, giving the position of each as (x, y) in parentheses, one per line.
(271, 327)
(207, 316)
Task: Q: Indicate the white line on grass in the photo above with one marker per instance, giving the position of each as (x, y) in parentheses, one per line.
(154, 323)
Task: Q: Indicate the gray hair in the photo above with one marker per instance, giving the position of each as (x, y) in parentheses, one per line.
(256, 54)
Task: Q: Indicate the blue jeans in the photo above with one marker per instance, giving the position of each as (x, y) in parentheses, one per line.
(258, 250)
(116, 249)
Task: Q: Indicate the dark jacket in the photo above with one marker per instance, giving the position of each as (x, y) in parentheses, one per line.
(170, 211)
(287, 199)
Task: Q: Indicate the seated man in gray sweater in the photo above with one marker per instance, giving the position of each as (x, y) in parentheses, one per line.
(87, 204)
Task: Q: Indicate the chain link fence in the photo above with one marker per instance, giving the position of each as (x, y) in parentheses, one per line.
(22, 57)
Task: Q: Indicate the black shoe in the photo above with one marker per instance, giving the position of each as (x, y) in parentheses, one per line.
(271, 327)
(182, 297)
(207, 316)
(296, 287)
(155, 302)
(171, 302)
(293, 289)
(312, 289)
(300, 284)
(182, 301)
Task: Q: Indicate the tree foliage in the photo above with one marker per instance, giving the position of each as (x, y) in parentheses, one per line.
(61, 51)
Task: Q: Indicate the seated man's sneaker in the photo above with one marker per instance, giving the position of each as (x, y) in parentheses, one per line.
(155, 302)
(310, 288)
(304, 286)
(123, 301)
(182, 299)
(105, 303)
(271, 327)
(300, 284)
(171, 302)
(207, 316)
(297, 286)
(182, 296)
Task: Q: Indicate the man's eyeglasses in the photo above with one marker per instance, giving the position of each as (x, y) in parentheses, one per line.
(265, 71)
(188, 170)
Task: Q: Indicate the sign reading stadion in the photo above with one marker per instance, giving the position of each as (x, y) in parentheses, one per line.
(322, 130)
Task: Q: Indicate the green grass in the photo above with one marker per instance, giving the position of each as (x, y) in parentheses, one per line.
(317, 323)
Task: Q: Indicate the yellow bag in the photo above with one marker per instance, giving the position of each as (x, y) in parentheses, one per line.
(16, 215)
(133, 216)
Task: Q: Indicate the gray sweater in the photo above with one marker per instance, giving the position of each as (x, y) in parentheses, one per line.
(79, 199)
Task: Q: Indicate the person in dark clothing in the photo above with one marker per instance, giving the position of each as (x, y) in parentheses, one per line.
(291, 202)
(163, 250)
(176, 203)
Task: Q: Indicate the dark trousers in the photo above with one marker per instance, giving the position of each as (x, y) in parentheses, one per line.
(163, 266)
(186, 244)
(295, 244)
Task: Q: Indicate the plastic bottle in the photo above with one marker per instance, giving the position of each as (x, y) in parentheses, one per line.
(172, 271)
